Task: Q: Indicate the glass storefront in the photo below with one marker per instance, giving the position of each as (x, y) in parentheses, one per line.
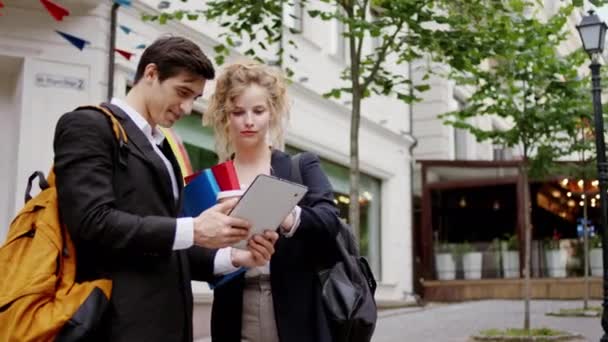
(477, 227)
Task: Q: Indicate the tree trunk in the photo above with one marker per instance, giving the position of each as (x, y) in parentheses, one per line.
(353, 212)
(355, 73)
(586, 249)
(527, 244)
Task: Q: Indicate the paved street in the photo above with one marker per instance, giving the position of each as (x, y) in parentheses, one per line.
(456, 322)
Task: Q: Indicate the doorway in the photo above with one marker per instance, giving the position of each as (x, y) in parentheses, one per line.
(11, 72)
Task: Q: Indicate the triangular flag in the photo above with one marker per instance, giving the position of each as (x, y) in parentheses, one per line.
(125, 54)
(123, 2)
(141, 46)
(1, 6)
(55, 10)
(125, 29)
(77, 42)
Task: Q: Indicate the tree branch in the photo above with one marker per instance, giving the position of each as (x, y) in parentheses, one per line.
(381, 56)
(360, 47)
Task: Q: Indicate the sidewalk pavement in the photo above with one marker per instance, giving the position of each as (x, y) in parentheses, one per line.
(439, 322)
(457, 322)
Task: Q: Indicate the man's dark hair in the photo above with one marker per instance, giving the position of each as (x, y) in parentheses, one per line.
(173, 55)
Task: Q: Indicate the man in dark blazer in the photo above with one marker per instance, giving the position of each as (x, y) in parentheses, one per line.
(120, 203)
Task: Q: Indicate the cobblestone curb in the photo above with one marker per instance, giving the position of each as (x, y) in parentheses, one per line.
(564, 337)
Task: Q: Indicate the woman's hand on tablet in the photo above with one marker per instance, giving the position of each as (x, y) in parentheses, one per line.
(260, 249)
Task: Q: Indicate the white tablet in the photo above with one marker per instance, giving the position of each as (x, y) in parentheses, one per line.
(266, 203)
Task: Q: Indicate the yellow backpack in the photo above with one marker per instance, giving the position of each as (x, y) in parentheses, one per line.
(39, 297)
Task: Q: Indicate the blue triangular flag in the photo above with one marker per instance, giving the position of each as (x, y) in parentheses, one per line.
(77, 42)
(125, 29)
(123, 2)
(141, 46)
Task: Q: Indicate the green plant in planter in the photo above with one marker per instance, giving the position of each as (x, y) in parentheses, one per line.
(462, 248)
(444, 248)
(494, 246)
(511, 242)
(553, 242)
(595, 241)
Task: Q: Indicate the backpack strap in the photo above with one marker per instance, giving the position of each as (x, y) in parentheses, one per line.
(119, 131)
(296, 174)
(42, 183)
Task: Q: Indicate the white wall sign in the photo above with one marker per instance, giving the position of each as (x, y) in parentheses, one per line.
(59, 81)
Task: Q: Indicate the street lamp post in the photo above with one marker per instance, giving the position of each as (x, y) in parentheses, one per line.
(593, 32)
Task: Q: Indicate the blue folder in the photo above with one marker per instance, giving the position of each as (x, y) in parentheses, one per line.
(200, 194)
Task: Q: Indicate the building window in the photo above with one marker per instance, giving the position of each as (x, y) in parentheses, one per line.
(292, 15)
(461, 136)
(460, 144)
(339, 48)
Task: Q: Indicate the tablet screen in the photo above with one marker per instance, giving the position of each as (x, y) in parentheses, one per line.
(266, 203)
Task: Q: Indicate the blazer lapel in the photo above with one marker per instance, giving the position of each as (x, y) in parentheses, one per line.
(141, 146)
(168, 152)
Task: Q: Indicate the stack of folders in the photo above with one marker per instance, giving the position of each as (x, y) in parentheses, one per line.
(200, 193)
(202, 187)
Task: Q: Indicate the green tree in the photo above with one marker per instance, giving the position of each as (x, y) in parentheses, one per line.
(450, 31)
(525, 81)
(403, 30)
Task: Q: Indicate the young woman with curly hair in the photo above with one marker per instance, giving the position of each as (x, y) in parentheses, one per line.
(280, 301)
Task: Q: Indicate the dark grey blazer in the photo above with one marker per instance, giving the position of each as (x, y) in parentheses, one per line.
(121, 217)
(295, 286)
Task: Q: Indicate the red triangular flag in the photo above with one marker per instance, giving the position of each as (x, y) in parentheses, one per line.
(125, 54)
(55, 10)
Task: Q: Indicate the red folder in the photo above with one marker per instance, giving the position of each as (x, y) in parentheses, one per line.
(226, 176)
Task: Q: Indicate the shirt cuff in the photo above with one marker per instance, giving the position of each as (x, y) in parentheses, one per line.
(184, 233)
(222, 264)
(296, 223)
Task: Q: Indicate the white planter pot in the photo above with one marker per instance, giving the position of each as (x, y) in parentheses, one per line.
(510, 264)
(471, 264)
(595, 262)
(445, 265)
(556, 262)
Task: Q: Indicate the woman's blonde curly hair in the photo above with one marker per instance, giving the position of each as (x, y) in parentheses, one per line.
(230, 84)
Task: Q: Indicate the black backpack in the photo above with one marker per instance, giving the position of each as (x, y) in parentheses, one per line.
(348, 286)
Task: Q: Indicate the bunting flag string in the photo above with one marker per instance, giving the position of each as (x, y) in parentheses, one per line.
(76, 41)
(126, 29)
(55, 10)
(125, 54)
(125, 3)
